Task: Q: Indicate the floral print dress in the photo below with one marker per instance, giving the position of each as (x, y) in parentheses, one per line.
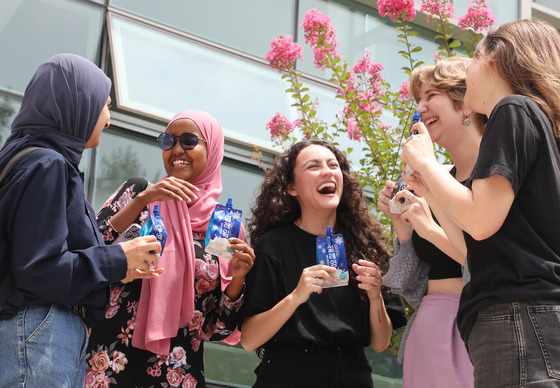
(111, 358)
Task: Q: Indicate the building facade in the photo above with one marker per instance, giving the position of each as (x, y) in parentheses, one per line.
(167, 56)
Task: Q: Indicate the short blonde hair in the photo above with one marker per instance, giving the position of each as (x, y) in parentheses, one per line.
(448, 75)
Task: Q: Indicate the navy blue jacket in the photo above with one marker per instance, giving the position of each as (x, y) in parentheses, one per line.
(50, 241)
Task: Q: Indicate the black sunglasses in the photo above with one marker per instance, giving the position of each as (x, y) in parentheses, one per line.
(187, 140)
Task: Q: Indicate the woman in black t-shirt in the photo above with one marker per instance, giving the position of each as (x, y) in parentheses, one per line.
(311, 336)
(427, 269)
(509, 312)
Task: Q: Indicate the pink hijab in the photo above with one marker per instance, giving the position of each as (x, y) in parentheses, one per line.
(167, 303)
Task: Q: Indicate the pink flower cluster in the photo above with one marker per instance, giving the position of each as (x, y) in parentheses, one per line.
(397, 9)
(283, 53)
(437, 9)
(320, 35)
(479, 17)
(352, 129)
(279, 126)
(363, 88)
(404, 91)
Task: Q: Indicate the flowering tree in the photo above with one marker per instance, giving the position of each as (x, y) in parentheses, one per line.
(363, 89)
(365, 93)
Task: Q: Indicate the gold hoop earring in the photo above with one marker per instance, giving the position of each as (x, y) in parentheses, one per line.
(466, 121)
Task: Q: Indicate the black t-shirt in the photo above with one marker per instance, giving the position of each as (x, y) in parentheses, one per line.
(441, 265)
(521, 261)
(334, 317)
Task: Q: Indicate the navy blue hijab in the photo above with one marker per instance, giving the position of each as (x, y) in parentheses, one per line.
(60, 108)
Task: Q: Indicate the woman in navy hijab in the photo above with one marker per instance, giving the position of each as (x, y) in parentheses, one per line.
(60, 270)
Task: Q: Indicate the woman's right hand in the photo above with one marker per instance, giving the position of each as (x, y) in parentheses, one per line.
(383, 200)
(312, 280)
(139, 252)
(169, 188)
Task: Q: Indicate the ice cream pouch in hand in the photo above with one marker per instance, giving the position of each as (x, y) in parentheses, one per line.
(224, 223)
(331, 252)
(154, 226)
(395, 206)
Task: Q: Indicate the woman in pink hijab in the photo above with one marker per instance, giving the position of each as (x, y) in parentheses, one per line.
(154, 330)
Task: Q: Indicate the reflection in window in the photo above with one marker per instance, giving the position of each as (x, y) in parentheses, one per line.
(120, 157)
(39, 29)
(8, 110)
(158, 73)
(250, 30)
(241, 183)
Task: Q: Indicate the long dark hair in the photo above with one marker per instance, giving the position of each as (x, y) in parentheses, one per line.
(363, 233)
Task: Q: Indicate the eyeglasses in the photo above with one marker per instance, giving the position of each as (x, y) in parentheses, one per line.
(187, 140)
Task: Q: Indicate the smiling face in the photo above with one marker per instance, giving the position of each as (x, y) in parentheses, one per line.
(181, 163)
(318, 183)
(439, 114)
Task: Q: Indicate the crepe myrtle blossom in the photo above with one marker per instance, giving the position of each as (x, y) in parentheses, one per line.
(283, 53)
(321, 36)
(437, 9)
(279, 126)
(397, 9)
(404, 91)
(479, 17)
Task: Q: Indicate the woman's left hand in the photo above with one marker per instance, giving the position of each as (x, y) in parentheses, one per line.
(370, 278)
(242, 259)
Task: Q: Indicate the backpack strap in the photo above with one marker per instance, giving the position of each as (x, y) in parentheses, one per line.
(8, 282)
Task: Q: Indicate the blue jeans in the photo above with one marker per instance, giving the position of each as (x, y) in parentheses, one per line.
(517, 345)
(43, 346)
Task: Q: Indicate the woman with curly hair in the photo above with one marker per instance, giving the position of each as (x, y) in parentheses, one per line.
(300, 326)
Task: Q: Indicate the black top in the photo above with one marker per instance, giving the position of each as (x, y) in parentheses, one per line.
(336, 317)
(521, 261)
(441, 265)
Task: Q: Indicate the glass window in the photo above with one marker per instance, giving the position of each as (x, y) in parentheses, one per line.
(159, 74)
(247, 25)
(120, 156)
(35, 30)
(8, 110)
(504, 10)
(361, 28)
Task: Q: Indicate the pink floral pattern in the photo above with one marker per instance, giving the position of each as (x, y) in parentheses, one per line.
(111, 358)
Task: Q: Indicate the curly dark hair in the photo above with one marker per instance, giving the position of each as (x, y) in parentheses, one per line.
(363, 233)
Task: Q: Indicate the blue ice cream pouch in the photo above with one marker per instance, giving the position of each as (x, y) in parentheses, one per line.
(153, 225)
(331, 252)
(224, 224)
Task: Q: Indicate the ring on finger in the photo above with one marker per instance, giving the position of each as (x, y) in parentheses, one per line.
(316, 281)
(411, 196)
